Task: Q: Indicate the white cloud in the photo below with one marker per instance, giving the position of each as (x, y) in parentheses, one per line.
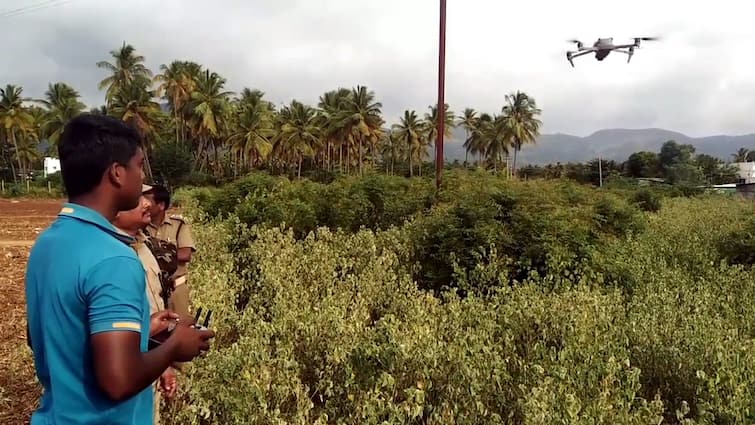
(696, 80)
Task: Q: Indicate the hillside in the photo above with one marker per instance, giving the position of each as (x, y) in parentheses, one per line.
(616, 144)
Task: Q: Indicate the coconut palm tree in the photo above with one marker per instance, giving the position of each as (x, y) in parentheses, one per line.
(252, 128)
(431, 123)
(497, 139)
(361, 117)
(176, 84)
(391, 148)
(333, 106)
(744, 155)
(299, 133)
(15, 121)
(410, 132)
(520, 115)
(478, 141)
(134, 105)
(210, 108)
(62, 104)
(127, 68)
(468, 120)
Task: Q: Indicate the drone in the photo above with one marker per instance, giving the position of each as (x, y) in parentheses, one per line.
(604, 46)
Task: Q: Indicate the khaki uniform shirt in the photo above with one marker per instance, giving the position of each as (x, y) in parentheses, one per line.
(153, 275)
(169, 231)
(151, 271)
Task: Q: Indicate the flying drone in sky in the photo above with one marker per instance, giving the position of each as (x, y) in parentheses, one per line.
(603, 47)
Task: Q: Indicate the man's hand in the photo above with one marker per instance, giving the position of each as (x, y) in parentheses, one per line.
(187, 342)
(160, 321)
(184, 255)
(168, 383)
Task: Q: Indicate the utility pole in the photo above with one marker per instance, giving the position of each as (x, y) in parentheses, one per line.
(600, 169)
(441, 95)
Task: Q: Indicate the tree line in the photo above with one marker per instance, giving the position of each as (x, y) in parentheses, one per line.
(674, 163)
(192, 125)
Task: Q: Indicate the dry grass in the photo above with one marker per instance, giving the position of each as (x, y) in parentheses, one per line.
(20, 222)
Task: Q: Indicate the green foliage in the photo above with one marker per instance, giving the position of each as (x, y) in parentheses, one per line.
(171, 163)
(738, 246)
(647, 201)
(551, 303)
(617, 217)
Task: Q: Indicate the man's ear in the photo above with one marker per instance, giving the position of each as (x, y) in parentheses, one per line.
(116, 174)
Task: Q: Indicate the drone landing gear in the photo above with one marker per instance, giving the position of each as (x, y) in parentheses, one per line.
(629, 53)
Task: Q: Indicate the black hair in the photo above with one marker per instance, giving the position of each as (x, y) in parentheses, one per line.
(161, 195)
(89, 145)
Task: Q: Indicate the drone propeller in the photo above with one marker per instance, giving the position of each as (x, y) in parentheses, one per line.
(638, 39)
(577, 42)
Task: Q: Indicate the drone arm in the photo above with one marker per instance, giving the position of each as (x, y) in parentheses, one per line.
(582, 53)
(571, 55)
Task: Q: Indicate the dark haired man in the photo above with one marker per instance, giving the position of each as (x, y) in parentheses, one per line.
(174, 230)
(88, 315)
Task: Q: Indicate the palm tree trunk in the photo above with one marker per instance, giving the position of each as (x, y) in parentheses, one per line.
(359, 152)
(300, 161)
(198, 157)
(411, 165)
(513, 165)
(18, 157)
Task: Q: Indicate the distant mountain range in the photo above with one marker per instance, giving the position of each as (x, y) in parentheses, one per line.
(616, 144)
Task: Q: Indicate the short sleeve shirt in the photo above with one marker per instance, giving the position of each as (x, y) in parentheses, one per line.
(152, 268)
(83, 278)
(176, 230)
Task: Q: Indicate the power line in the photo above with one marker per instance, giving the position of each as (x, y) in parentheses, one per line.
(47, 4)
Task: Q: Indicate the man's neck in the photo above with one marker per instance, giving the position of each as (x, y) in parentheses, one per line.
(159, 219)
(132, 233)
(98, 203)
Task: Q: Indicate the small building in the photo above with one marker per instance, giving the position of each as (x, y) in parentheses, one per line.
(51, 166)
(746, 171)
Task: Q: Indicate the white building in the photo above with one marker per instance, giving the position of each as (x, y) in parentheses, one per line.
(746, 172)
(52, 166)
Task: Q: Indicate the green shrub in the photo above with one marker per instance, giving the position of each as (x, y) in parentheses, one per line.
(647, 200)
(738, 246)
(550, 304)
(616, 217)
(336, 332)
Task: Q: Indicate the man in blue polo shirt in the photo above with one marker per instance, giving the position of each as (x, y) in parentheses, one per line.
(88, 315)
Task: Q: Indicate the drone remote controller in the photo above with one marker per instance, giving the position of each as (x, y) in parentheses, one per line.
(204, 326)
(156, 340)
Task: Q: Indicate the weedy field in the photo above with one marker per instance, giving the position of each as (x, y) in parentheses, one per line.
(377, 300)
(21, 220)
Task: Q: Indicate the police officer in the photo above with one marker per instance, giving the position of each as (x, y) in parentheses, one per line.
(173, 229)
(131, 223)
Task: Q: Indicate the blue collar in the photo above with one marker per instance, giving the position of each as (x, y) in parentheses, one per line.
(88, 215)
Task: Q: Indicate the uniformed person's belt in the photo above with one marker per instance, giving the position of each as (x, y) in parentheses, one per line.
(180, 280)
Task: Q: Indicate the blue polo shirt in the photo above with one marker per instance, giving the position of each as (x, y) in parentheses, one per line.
(83, 278)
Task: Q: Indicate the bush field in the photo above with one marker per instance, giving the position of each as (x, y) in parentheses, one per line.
(375, 300)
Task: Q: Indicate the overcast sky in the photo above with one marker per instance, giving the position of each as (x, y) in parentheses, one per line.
(698, 80)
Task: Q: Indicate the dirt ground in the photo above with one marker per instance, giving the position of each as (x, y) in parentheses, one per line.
(21, 220)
